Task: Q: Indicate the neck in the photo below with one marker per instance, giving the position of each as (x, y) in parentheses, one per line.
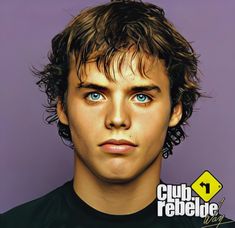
(117, 198)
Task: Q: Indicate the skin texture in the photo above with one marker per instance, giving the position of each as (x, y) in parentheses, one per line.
(107, 181)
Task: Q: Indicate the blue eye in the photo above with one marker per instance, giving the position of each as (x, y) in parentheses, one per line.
(93, 96)
(142, 98)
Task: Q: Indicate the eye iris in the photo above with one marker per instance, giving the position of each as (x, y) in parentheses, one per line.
(95, 96)
(141, 97)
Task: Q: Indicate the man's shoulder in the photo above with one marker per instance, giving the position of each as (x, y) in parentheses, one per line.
(42, 207)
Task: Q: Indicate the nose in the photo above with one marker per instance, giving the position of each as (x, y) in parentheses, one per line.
(117, 116)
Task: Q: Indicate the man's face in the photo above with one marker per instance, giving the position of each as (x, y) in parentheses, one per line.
(132, 108)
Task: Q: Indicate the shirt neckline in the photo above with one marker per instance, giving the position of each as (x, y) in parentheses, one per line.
(147, 213)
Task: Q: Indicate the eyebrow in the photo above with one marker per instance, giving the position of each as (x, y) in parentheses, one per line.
(146, 88)
(91, 86)
(103, 88)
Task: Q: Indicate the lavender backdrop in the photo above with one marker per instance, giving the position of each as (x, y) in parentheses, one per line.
(33, 160)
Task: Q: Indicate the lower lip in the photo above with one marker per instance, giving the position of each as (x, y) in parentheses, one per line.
(117, 149)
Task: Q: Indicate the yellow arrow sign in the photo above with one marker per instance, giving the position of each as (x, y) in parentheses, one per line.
(206, 186)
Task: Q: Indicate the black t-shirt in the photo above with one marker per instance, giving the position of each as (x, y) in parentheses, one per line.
(62, 208)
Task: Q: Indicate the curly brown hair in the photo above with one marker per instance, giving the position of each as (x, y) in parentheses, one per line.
(100, 33)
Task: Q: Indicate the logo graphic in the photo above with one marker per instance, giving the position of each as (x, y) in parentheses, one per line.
(206, 186)
(177, 200)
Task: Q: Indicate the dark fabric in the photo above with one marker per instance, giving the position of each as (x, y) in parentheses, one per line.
(62, 208)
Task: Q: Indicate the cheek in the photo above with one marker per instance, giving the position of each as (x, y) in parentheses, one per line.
(153, 125)
(155, 130)
(83, 121)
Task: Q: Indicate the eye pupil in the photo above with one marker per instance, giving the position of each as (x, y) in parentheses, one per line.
(95, 96)
(141, 97)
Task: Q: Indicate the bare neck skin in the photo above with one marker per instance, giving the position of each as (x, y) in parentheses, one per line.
(113, 198)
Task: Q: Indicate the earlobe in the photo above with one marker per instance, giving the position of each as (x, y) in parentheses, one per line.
(61, 113)
(176, 114)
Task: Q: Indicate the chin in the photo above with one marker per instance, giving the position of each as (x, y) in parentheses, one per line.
(117, 178)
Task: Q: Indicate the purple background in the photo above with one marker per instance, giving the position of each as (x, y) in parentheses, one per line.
(33, 159)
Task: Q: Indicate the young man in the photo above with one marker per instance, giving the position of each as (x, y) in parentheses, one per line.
(121, 83)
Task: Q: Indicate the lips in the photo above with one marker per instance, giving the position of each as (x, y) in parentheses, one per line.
(117, 146)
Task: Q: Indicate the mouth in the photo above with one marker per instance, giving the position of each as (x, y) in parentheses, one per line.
(114, 146)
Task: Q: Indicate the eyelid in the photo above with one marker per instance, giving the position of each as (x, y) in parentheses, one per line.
(91, 92)
(150, 98)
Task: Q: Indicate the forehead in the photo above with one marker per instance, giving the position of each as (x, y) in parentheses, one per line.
(123, 69)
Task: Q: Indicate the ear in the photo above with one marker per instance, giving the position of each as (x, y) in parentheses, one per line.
(176, 114)
(61, 113)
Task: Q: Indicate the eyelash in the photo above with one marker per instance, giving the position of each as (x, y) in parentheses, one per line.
(90, 93)
(146, 96)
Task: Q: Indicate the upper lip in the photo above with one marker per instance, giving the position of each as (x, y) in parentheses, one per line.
(118, 142)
